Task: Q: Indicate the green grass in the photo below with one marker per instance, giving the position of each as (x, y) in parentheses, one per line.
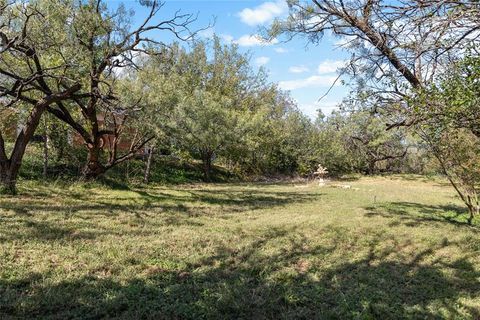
(386, 248)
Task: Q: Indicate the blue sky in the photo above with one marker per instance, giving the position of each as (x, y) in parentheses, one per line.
(307, 71)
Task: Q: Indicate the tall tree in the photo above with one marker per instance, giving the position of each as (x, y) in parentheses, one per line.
(353, 139)
(451, 128)
(204, 112)
(397, 49)
(374, 144)
(107, 47)
(34, 75)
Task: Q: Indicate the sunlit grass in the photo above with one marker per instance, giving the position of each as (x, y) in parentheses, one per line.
(378, 247)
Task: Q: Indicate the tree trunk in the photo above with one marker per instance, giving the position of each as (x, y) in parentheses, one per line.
(149, 165)
(207, 165)
(8, 187)
(11, 165)
(45, 152)
(471, 212)
(94, 168)
(473, 209)
(8, 178)
(371, 167)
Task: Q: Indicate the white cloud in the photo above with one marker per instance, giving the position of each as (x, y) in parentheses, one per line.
(207, 33)
(298, 69)
(263, 13)
(311, 109)
(310, 82)
(280, 50)
(261, 61)
(330, 66)
(254, 40)
(227, 38)
(210, 32)
(328, 106)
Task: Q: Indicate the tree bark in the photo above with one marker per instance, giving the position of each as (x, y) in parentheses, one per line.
(11, 166)
(471, 214)
(473, 209)
(4, 162)
(148, 168)
(207, 165)
(45, 152)
(371, 167)
(94, 168)
(7, 184)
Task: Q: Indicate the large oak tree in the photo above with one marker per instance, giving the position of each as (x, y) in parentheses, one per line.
(107, 50)
(34, 75)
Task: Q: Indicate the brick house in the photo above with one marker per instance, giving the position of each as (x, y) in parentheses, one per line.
(10, 128)
(125, 139)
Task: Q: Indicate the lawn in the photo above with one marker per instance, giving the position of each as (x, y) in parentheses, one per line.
(372, 248)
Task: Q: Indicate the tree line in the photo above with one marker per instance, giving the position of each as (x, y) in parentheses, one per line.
(416, 64)
(85, 71)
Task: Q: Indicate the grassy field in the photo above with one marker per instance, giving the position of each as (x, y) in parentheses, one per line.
(376, 248)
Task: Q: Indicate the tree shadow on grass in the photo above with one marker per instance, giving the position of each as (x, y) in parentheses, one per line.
(233, 200)
(412, 214)
(155, 208)
(230, 201)
(246, 283)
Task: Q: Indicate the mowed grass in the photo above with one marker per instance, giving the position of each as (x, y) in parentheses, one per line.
(385, 248)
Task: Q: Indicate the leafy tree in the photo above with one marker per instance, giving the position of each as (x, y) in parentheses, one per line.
(373, 142)
(458, 154)
(451, 129)
(398, 53)
(106, 48)
(34, 74)
(208, 101)
(454, 99)
(201, 98)
(289, 144)
(354, 139)
(397, 50)
(278, 134)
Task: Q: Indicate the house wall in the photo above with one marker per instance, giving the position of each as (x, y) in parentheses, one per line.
(122, 146)
(8, 124)
(10, 127)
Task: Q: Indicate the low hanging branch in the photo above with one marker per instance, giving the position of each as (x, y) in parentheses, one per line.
(24, 78)
(397, 48)
(113, 51)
